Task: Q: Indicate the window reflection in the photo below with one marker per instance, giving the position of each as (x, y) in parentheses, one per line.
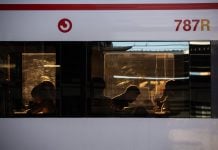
(173, 78)
(36, 68)
(150, 71)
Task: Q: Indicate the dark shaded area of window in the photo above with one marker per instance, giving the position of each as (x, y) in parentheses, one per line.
(171, 83)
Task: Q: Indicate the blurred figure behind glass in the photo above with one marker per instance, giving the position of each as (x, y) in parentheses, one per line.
(44, 95)
(100, 104)
(124, 99)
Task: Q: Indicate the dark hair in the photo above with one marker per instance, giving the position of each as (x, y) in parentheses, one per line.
(133, 89)
(44, 90)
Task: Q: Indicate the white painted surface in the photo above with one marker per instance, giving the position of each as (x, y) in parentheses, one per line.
(104, 25)
(105, 133)
(108, 134)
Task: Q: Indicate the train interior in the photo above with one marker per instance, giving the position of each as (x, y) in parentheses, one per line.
(182, 69)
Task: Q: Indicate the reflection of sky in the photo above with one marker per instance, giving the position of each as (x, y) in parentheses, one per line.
(193, 138)
(154, 46)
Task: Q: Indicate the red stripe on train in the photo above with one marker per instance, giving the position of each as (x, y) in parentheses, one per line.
(162, 6)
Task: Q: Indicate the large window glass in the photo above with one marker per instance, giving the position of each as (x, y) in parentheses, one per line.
(105, 79)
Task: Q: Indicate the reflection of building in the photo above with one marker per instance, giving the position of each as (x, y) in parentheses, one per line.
(149, 68)
(119, 65)
(146, 70)
(36, 68)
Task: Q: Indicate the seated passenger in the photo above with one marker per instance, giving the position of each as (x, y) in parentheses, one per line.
(123, 100)
(163, 102)
(174, 98)
(121, 103)
(100, 104)
(43, 99)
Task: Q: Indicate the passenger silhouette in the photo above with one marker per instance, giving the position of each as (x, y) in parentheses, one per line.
(100, 104)
(175, 97)
(163, 102)
(123, 100)
(43, 99)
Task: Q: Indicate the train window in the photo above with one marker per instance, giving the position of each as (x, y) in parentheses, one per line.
(105, 79)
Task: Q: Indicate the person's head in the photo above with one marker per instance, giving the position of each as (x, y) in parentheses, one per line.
(43, 91)
(132, 93)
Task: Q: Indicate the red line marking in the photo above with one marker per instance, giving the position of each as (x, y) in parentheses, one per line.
(170, 6)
